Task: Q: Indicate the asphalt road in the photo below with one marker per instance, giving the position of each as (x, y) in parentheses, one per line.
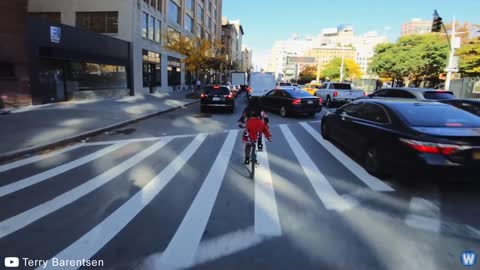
(171, 192)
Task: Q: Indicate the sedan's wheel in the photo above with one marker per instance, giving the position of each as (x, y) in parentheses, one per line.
(283, 112)
(372, 162)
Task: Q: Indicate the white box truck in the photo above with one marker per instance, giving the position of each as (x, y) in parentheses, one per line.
(261, 83)
(238, 78)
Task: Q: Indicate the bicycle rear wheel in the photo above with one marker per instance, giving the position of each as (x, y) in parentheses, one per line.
(253, 159)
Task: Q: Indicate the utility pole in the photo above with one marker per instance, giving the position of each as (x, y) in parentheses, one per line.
(343, 63)
(450, 58)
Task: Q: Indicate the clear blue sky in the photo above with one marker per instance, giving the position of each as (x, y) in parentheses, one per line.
(265, 21)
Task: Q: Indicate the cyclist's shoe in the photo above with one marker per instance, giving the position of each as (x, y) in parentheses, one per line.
(247, 161)
(260, 147)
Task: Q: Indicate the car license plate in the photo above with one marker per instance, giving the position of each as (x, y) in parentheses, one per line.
(216, 99)
(476, 155)
(310, 102)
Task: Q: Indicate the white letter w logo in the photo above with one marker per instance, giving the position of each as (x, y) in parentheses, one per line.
(469, 258)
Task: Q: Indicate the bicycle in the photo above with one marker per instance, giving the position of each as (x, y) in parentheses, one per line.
(253, 158)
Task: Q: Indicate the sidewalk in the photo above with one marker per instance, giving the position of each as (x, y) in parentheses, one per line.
(35, 128)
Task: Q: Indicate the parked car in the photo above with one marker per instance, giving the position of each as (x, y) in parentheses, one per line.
(244, 88)
(412, 93)
(217, 97)
(235, 90)
(283, 84)
(389, 136)
(288, 101)
(470, 105)
(336, 92)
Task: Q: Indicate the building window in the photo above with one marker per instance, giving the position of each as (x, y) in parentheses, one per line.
(52, 17)
(7, 71)
(151, 28)
(189, 23)
(99, 22)
(189, 4)
(173, 35)
(152, 3)
(200, 13)
(92, 76)
(198, 30)
(174, 71)
(158, 30)
(208, 25)
(208, 5)
(174, 12)
(152, 75)
(144, 25)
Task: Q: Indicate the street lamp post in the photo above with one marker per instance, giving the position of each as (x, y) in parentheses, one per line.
(450, 58)
(343, 63)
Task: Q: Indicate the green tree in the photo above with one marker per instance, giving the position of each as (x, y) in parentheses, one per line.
(413, 58)
(308, 74)
(332, 69)
(470, 58)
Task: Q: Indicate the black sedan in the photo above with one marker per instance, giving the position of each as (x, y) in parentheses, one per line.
(470, 105)
(217, 97)
(403, 135)
(288, 101)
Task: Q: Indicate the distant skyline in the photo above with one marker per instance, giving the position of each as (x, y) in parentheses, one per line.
(267, 21)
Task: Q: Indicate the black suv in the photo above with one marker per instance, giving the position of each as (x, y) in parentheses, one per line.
(217, 96)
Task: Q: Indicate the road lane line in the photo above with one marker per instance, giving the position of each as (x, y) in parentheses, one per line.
(35, 179)
(181, 250)
(326, 193)
(21, 220)
(36, 158)
(267, 221)
(371, 181)
(90, 243)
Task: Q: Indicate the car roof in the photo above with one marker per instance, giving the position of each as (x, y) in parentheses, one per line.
(416, 90)
(401, 101)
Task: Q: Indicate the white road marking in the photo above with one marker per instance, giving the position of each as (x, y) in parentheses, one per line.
(181, 250)
(227, 244)
(322, 187)
(36, 158)
(90, 243)
(35, 179)
(267, 221)
(371, 181)
(19, 221)
(423, 223)
(473, 231)
(148, 139)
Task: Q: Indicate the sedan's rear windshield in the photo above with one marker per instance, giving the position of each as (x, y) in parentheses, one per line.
(422, 115)
(298, 93)
(438, 95)
(219, 90)
(342, 86)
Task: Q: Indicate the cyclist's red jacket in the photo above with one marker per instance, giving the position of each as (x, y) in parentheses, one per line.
(254, 127)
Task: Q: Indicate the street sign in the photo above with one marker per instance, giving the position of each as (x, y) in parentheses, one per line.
(55, 34)
(451, 69)
(300, 60)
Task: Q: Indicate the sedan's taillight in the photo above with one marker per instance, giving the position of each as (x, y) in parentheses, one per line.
(364, 93)
(335, 94)
(320, 100)
(434, 148)
(202, 95)
(228, 96)
(296, 101)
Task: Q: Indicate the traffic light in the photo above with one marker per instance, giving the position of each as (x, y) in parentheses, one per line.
(437, 23)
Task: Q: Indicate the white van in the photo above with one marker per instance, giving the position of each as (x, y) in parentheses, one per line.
(261, 83)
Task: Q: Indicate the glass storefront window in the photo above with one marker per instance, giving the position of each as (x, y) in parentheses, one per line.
(91, 76)
(151, 69)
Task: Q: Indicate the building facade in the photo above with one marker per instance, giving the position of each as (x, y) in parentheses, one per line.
(147, 25)
(324, 54)
(416, 26)
(246, 59)
(232, 38)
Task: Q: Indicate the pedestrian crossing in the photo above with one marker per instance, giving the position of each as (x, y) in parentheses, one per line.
(208, 159)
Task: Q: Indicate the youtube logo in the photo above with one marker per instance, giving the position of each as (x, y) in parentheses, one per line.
(11, 262)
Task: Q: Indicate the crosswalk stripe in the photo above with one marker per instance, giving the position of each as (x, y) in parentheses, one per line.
(371, 181)
(35, 179)
(90, 243)
(181, 250)
(326, 193)
(267, 221)
(33, 159)
(148, 139)
(19, 221)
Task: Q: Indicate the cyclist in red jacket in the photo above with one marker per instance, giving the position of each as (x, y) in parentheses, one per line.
(255, 126)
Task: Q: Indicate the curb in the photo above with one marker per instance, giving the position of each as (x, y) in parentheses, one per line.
(35, 149)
